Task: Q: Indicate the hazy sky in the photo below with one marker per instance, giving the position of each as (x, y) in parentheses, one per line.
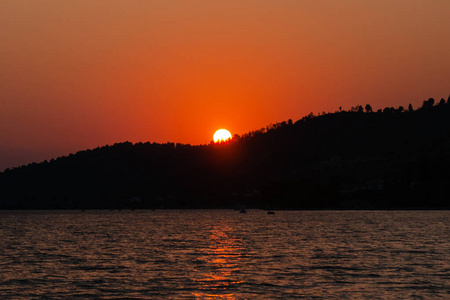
(81, 74)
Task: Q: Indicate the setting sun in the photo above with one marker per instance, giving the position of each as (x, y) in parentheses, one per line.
(222, 135)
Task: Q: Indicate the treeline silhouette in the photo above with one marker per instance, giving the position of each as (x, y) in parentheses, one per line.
(393, 158)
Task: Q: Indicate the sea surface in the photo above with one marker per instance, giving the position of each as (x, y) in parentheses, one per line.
(224, 254)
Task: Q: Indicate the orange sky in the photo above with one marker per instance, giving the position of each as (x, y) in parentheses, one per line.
(79, 74)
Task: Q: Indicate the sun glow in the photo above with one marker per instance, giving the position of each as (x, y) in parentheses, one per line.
(222, 135)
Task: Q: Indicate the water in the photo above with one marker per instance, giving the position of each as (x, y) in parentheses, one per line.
(221, 254)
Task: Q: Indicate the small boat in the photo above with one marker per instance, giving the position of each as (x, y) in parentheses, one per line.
(242, 211)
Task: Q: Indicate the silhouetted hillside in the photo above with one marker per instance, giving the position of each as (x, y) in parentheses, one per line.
(393, 158)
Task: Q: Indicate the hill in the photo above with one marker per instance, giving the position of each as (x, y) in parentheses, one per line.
(356, 159)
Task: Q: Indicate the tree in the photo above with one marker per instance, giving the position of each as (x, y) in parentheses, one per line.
(368, 108)
(357, 108)
(410, 108)
(442, 102)
(427, 104)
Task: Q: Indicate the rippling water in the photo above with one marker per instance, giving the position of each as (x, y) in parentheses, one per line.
(221, 254)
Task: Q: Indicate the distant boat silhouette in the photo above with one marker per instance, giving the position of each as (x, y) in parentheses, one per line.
(270, 212)
(242, 211)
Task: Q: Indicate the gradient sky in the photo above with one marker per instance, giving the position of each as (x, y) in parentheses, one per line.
(81, 74)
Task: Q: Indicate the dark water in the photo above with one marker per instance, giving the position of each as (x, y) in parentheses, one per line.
(222, 254)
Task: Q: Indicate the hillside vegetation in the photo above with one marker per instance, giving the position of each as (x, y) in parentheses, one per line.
(357, 159)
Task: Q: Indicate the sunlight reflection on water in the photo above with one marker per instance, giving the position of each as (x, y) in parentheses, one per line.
(221, 254)
(221, 259)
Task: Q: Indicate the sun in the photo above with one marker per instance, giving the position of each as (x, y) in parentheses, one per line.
(222, 135)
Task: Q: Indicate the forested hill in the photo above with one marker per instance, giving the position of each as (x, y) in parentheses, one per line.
(358, 159)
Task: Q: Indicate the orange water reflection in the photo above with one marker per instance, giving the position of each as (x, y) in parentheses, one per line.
(219, 272)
